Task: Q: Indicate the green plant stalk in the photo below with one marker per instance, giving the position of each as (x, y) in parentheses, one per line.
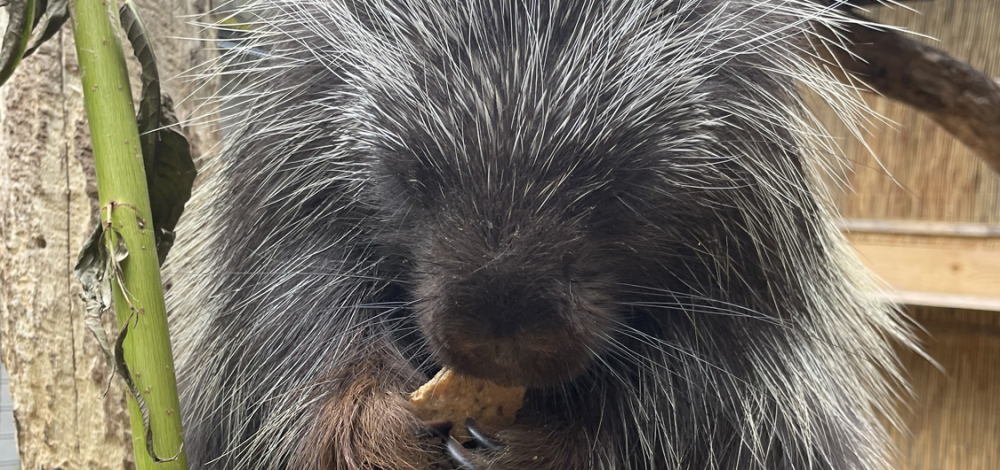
(121, 178)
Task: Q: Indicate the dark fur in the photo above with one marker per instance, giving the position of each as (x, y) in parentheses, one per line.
(662, 274)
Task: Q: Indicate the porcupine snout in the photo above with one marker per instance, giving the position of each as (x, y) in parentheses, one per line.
(528, 308)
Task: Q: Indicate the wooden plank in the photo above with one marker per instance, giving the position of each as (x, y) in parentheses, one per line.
(920, 227)
(932, 271)
(913, 170)
(926, 299)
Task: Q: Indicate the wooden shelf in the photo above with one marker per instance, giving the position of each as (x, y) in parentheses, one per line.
(930, 263)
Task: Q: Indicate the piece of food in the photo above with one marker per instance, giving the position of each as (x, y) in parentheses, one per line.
(453, 397)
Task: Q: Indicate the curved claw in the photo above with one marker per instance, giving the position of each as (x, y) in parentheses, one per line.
(460, 455)
(481, 438)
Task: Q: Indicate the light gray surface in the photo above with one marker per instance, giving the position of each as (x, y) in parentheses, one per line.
(8, 447)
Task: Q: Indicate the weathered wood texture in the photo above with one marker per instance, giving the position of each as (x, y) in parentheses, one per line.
(922, 172)
(47, 208)
(916, 171)
(954, 420)
(56, 378)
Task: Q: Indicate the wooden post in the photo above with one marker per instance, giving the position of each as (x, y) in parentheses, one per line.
(48, 206)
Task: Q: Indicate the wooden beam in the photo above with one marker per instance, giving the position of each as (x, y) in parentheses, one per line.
(964, 302)
(932, 272)
(921, 228)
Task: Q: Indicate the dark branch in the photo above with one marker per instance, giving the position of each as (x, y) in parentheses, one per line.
(960, 98)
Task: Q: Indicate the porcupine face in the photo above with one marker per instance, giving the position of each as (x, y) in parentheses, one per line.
(511, 272)
(516, 258)
(540, 196)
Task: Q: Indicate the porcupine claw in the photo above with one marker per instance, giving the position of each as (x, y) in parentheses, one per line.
(479, 437)
(459, 454)
(464, 457)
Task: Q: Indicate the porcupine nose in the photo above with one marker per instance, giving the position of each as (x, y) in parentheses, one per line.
(504, 308)
(511, 326)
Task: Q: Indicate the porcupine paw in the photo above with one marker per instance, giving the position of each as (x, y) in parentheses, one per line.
(431, 437)
(473, 454)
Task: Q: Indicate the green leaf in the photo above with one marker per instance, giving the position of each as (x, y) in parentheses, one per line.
(170, 170)
(56, 15)
(20, 18)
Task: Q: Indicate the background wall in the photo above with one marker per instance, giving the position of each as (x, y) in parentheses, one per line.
(932, 231)
(954, 419)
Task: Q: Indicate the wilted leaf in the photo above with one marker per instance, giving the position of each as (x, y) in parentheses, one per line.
(40, 6)
(121, 249)
(123, 371)
(56, 14)
(170, 170)
(170, 178)
(92, 271)
(20, 18)
(96, 265)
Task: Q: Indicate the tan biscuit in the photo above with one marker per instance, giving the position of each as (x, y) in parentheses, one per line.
(453, 397)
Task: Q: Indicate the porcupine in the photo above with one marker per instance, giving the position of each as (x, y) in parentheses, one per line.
(614, 203)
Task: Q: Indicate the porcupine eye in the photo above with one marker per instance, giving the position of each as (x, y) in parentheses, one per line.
(414, 177)
(611, 217)
(402, 180)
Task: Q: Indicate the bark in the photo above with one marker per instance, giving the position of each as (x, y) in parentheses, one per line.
(960, 98)
(48, 203)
